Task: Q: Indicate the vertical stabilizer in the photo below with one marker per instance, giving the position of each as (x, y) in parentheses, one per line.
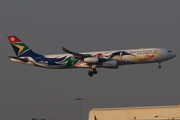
(20, 48)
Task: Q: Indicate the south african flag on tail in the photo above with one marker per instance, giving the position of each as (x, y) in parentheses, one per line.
(20, 48)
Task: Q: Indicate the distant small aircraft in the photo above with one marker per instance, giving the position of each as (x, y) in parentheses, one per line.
(91, 60)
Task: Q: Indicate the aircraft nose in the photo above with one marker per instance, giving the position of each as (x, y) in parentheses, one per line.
(171, 54)
(174, 54)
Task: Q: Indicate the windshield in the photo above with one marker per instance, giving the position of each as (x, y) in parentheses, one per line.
(169, 51)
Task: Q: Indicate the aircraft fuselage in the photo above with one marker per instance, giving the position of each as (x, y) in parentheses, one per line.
(91, 60)
(124, 57)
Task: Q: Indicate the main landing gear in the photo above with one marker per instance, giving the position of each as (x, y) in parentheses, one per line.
(92, 72)
(159, 66)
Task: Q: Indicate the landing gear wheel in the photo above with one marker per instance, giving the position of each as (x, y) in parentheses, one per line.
(159, 67)
(94, 71)
(90, 73)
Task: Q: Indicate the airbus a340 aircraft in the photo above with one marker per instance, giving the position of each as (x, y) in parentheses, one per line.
(90, 60)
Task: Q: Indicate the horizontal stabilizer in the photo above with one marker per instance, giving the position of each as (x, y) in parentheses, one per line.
(25, 60)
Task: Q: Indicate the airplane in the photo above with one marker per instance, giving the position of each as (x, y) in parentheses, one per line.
(91, 60)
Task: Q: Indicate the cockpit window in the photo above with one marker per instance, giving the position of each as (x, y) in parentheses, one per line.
(169, 51)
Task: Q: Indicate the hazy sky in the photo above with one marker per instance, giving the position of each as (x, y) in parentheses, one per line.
(82, 26)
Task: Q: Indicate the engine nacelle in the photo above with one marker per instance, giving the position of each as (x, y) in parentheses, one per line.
(91, 59)
(110, 64)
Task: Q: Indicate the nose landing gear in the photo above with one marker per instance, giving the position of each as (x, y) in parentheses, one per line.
(159, 65)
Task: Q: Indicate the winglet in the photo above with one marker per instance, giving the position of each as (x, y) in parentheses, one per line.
(65, 50)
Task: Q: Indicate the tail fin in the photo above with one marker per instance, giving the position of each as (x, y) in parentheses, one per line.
(20, 48)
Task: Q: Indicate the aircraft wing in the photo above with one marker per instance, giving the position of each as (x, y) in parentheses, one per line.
(77, 55)
(82, 56)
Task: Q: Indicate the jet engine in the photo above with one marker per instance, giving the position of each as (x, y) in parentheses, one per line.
(110, 64)
(91, 59)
